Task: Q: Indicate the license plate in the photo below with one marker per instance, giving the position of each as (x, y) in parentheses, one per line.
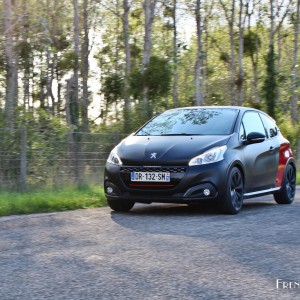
(150, 176)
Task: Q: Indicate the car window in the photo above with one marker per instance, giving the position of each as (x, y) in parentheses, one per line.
(270, 126)
(242, 133)
(193, 121)
(252, 123)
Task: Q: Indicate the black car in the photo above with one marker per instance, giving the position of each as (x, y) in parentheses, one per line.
(189, 154)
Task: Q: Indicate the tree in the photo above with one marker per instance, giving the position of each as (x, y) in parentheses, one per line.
(230, 18)
(11, 66)
(243, 14)
(85, 69)
(294, 75)
(270, 87)
(149, 13)
(127, 100)
(175, 55)
(199, 76)
(252, 45)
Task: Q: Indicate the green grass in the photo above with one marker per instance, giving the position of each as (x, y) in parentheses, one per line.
(50, 200)
(55, 200)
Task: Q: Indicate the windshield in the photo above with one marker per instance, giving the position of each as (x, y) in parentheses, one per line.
(198, 121)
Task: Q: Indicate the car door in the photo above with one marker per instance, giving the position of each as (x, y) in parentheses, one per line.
(261, 159)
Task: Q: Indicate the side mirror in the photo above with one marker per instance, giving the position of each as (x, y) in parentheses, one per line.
(255, 138)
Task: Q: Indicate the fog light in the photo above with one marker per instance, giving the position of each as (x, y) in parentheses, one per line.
(109, 190)
(206, 192)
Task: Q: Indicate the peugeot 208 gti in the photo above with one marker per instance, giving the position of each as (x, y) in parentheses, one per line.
(189, 154)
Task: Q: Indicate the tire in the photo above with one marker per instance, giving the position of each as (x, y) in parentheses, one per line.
(231, 201)
(287, 192)
(120, 205)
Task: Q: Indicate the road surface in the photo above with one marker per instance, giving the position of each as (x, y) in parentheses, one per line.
(153, 252)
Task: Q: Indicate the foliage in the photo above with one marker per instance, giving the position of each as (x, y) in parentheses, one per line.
(252, 41)
(43, 41)
(270, 87)
(157, 77)
(288, 129)
(44, 201)
(113, 88)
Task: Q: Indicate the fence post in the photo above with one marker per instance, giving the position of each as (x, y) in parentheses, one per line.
(298, 154)
(23, 164)
(116, 138)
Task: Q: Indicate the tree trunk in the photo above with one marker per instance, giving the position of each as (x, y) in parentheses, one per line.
(270, 84)
(295, 78)
(49, 71)
(232, 54)
(241, 75)
(199, 80)
(175, 55)
(77, 55)
(230, 17)
(149, 11)
(11, 68)
(26, 60)
(85, 70)
(127, 108)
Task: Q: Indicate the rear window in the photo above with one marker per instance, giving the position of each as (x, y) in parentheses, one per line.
(206, 121)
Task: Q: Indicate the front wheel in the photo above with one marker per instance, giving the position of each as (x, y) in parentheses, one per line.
(287, 192)
(120, 205)
(231, 201)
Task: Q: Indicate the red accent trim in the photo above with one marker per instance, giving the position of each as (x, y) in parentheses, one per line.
(151, 185)
(283, 158)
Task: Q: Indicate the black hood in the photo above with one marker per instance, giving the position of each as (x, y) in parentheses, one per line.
(166, 150)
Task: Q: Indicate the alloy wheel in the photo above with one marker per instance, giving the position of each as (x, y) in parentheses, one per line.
(290, 183)
(236, 190)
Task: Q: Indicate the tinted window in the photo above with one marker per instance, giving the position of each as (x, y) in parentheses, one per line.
(192, 122)
(252, 123)
(269, 125)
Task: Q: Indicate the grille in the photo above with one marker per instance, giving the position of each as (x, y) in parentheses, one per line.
(154, 169)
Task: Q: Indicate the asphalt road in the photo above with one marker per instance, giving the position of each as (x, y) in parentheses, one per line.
(153, 252)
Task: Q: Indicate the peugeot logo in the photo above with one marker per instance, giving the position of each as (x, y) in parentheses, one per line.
(153, 155)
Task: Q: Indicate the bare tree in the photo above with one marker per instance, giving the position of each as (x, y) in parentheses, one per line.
(175, 55)
(11, 68)
(230, 17)
(270, 88)
(243, 9)
(85, 69)
(253, 44)
(199, 79)
(149, 11)
(126, 8)
(76, 55)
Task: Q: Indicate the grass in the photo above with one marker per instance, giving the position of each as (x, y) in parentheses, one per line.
(55, 200)
(50, 200)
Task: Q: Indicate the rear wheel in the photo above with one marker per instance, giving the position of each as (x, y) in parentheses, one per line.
(286, 194)
(232, 200)
(120, 205)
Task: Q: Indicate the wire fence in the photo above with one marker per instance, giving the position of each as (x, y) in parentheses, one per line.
(32, 160)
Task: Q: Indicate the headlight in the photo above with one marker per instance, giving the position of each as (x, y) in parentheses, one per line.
(208, 157)
(114, 158)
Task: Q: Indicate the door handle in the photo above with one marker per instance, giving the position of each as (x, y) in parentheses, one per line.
(271, 148)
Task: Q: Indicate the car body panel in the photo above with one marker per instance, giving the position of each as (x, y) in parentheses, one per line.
(261, 164)
(165, 150)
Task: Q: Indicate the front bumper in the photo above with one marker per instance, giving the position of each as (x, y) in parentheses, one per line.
(188, 184)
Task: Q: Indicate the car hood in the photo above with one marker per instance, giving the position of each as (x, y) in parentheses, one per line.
(166, 150)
